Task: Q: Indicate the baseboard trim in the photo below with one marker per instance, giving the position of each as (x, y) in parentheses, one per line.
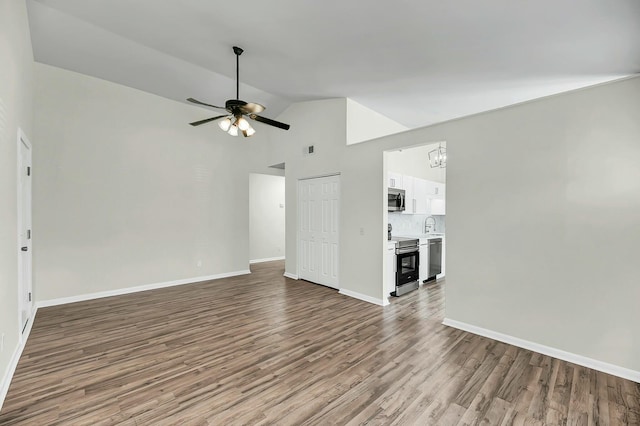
(15, 358)
(594, 364)
(128, 290)
(290, 275)
(363, 297)
(266, 259)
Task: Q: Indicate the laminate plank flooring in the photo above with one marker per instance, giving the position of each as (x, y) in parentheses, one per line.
(264, 349)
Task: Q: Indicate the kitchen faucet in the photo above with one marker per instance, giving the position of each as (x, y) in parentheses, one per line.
(427, 226)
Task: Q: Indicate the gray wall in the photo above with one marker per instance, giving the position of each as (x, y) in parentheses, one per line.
(542, 214)
(266, 216)
(129, 194)
(16, 92)
(318, 123)
(542, 221)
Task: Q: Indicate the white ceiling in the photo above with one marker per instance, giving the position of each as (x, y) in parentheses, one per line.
(415, 61)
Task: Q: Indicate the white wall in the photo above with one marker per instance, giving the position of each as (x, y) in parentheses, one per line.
(129, 194)
(414, 161)
(542, 214)
(364, 123)
(16, 91)
(266, 216)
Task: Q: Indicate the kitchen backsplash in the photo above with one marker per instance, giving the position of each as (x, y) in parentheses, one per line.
(411, 224)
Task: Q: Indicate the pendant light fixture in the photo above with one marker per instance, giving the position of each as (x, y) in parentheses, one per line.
(438, 157)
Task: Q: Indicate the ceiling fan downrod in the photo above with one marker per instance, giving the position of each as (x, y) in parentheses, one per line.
(238, 51)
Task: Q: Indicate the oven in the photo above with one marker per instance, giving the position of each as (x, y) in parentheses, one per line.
(407, 266)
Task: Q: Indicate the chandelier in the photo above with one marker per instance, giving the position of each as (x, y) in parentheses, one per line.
(438, 157)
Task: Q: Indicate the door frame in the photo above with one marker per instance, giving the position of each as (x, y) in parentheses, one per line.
(22, 139)
(299, 214)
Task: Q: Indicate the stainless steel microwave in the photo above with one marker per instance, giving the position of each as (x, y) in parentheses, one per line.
(396, 200)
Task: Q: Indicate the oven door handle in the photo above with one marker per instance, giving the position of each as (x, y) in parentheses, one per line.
(406, 250)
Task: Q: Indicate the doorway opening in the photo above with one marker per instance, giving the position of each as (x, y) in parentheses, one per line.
(414, 173)
(266, 218)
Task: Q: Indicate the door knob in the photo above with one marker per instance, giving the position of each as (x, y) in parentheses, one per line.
(24, 248)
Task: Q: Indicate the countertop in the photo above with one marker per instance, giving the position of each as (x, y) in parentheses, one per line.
(422, 237)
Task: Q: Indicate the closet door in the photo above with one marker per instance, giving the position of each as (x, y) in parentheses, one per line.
(318, 230)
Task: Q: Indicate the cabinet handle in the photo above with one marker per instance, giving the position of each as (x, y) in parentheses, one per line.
(414, 205)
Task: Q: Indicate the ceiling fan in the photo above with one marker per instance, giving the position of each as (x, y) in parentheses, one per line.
(237, 109)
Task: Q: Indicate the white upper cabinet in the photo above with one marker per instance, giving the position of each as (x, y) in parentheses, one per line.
(394, 180)
(438, 206)
(435, 189)
(439, 190)
(420, 195)
(409, 197)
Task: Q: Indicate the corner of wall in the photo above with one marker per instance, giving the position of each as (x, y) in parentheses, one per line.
(365, 124)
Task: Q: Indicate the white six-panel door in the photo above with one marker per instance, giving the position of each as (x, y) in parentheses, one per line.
(318, 230)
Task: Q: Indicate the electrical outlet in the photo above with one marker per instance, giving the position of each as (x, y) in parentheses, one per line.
(199, 263)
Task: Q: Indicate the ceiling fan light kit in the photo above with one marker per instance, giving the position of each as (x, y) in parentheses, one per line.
(238, 109)
(225, 124)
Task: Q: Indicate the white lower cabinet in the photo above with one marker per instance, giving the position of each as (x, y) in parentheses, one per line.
(423, 269)
(390, 279)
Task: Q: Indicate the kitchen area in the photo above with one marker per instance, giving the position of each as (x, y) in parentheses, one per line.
(416, 188)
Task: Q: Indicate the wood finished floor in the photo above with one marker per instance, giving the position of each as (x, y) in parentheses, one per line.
(264, 349)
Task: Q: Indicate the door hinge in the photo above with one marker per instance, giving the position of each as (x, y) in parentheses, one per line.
(28, 171)
(29, 296)
(28, 234)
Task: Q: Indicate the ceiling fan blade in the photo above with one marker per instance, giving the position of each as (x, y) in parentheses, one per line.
(206, 120)
(195, 101)
(252, 108)
(270, 122)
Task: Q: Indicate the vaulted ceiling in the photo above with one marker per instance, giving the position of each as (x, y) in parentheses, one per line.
(417, 62)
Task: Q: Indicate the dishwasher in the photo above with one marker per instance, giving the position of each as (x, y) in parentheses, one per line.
(435, 258)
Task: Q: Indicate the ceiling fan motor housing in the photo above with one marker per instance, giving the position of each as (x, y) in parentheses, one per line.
(234, 106)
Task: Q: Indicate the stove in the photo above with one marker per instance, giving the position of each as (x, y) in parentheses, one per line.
(407, 265)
